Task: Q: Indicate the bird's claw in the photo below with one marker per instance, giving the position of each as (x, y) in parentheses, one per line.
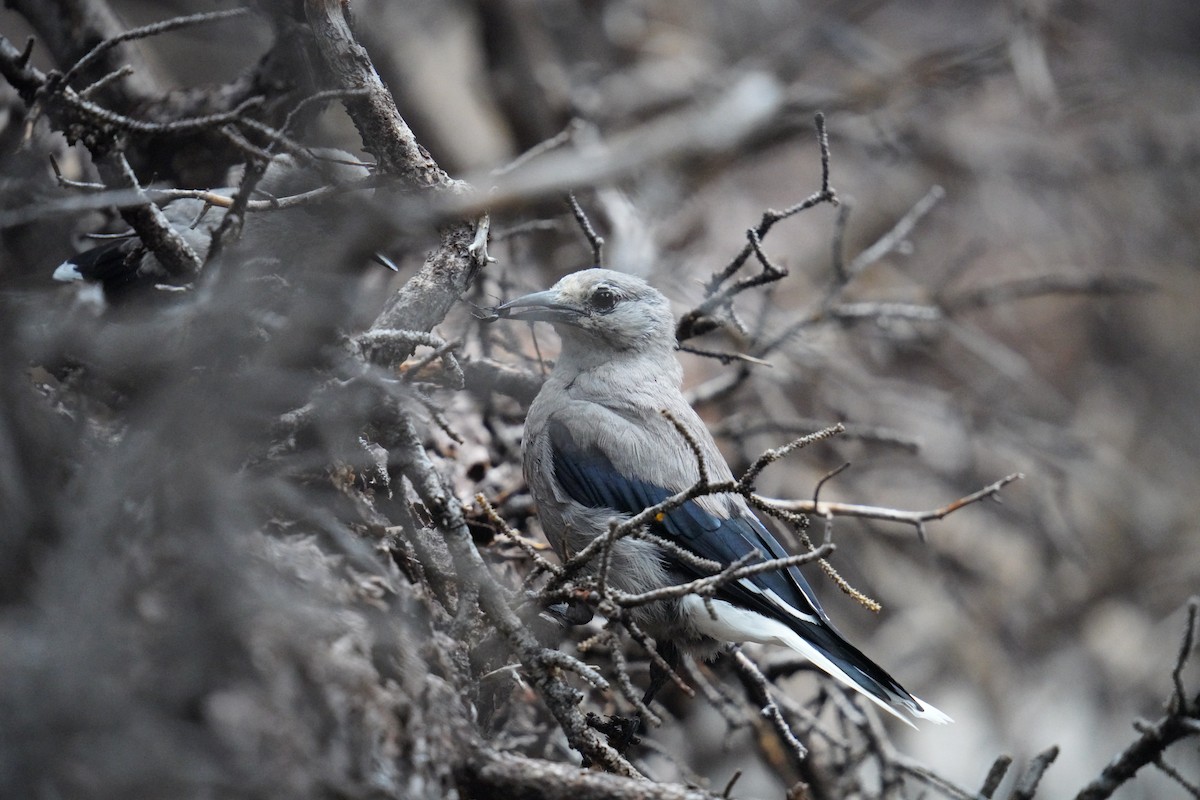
(621, 732)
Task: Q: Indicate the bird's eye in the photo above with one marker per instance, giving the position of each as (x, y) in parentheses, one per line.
(603, 299)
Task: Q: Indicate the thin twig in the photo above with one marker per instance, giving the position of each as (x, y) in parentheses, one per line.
(1181, 721)
(1028, 782)
(105, 80)
(1176, 776)
(1047, 285)
(625, 682)
(647, 644)
(718, 295)
(556, 141)
(1178, 702)
(995, 775)
(914, 518)
(898, 233)
(595, 240)
(738, 426)
(318, 97)
(759, 689)
(707, 586)
(502, 528)
(725, 358)
(826, 478)
(145, 31)
(771, 456)
(692, 443)
(838, 242)
(915, 769)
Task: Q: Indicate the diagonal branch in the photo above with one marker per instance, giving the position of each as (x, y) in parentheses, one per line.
(450, 268)
(1182, 721)
(384, 132)
(148, 221)
(70, 28)
(490, 773)
(112, 42)
(914, 518)
(561, 699)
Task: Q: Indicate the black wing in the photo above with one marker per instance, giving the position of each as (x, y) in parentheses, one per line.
(589, 478)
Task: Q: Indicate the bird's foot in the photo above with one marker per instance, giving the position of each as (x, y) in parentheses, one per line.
(621, 732)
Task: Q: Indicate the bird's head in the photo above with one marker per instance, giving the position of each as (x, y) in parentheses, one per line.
(601, 310)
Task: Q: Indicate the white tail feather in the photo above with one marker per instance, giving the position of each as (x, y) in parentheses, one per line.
(733, 624)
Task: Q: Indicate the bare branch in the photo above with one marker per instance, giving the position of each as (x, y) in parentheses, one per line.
(1028, 782)
(625, 682)
(995, 775)
(384, 133)
(699, 320)
(1176, 776)
(490, 773)
(742, 425)
(559, 659)
(759, 689)
(915, 518)
(146, 31)
(1179, 699)
(527, 547)
(594, 239)
(771, 456)
(559, 698)
(874, 310)
(706, 587)
(152, 227)
(1182, 721)
(898, 233)
(1045, 286)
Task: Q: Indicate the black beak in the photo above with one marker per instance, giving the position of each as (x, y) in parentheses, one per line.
(538, 307)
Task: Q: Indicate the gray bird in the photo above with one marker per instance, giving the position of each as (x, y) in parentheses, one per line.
(597, 446)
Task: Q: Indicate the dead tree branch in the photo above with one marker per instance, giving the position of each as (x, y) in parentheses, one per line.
(915, 518)
(490, 773)
(71, 28)
(719, 293)
(560, 698)
(1182, 721)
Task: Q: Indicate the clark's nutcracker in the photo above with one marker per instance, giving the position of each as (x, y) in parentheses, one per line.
(597, 446)
(124, 265)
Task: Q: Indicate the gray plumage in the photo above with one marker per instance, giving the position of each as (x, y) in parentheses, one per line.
(597, 446)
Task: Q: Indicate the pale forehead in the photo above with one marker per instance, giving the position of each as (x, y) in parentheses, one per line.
(579, 283)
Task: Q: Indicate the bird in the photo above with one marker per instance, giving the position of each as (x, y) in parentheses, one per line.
(124, 266)
(597, 446)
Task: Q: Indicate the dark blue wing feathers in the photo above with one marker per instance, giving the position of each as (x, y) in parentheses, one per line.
(589, 478)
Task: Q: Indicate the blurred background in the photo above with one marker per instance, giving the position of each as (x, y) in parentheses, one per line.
(1041, 316)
